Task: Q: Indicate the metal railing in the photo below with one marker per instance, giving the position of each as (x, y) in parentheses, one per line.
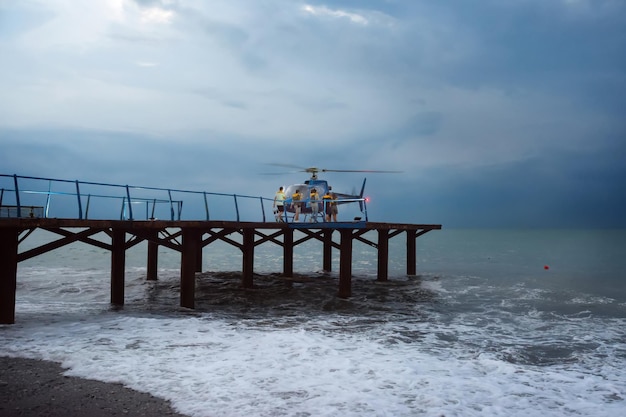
(36, 195)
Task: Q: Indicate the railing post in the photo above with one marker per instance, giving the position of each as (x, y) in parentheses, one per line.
(123, 208)
(87, 208)
(48, 199)
(80, 206)
(206, 206)
(365, 209)
(130, 203)
(262, 208)
(169, 193)
(236, 206)
(153, 207)
(17, 197)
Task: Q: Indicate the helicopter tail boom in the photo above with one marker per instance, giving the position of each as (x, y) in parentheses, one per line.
(353, 198)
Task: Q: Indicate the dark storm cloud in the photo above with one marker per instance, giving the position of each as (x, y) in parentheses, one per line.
(498, 113)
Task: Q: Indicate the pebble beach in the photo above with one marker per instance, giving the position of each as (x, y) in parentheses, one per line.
(36, 388)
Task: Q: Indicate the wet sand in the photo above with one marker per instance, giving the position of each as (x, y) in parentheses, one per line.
(37, 388)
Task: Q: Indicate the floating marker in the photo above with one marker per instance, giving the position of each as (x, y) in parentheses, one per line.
(546, 267)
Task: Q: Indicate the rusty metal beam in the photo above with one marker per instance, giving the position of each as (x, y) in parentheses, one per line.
(411, 255)
(118, 265)
(191, 242)
(248, 258)
(383, 255)
(345, 263)
(268, 238)
(153, 257)
(8, 274)
(288, 252)
(328, 250)
(70, 237)
(29, 223)
(152, 235)
(221, 235)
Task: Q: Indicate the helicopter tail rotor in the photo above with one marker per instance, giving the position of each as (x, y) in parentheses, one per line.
(361, 195)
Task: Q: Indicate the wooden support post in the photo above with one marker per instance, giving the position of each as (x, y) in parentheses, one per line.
(8, 274)
(328, 250)
(188, 268)
(411, 257)
(383, 255)
(345, 264)
(153, 257)
(248, 258)
(199, 254)
(288, 252)
(118, 265)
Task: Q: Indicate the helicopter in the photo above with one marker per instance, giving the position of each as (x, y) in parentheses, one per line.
(320, 209)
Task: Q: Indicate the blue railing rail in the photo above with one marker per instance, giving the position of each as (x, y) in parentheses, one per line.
(18, 188)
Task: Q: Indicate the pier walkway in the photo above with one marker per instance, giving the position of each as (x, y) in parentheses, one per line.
(189, 237)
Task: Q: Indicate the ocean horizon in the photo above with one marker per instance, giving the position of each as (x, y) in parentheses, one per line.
(495, 323)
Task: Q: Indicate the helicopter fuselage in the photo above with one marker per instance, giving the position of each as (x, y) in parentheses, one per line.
(306, 206)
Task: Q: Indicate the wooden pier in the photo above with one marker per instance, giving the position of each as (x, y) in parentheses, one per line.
(189, 238)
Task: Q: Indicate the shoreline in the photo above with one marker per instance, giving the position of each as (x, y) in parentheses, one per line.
(38, 388)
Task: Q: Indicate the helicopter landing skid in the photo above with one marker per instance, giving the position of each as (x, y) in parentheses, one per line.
(329, 225)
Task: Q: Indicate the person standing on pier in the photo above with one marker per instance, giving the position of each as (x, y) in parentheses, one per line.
(296, 198)
(327, 198)
(279, 204)
(334, 208)
(314, 204)
(330, 205)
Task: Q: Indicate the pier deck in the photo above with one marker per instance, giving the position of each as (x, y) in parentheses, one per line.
(189, 238)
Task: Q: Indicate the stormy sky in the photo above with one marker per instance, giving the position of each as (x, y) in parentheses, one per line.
(499, 113)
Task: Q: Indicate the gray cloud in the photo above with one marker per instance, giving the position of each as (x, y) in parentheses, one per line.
(484, 105)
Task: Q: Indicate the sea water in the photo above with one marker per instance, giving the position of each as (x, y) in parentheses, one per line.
(496, 323)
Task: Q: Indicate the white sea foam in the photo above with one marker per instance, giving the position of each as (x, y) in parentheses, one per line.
(210, 367)
(471, 347)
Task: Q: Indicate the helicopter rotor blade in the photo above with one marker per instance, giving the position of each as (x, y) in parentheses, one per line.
(361, 170)
(293, 169)
(287, 166)
(315, 170)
